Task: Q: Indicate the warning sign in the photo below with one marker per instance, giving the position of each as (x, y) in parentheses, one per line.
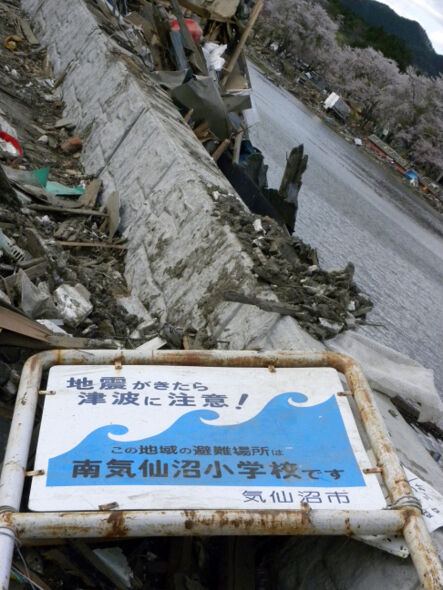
(159, 437)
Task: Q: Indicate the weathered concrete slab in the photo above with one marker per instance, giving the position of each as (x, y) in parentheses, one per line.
(179, 256)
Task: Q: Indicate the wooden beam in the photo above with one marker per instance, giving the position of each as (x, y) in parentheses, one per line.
(199, 10)
(237, 147)
(91, 245)
(188, 41)
(220, 149)
(266, 305)
(67, 210)
(240, 45)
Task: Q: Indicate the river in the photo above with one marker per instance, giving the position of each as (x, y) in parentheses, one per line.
(351, 208)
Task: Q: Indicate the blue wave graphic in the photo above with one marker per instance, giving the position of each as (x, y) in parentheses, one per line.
(284, 445)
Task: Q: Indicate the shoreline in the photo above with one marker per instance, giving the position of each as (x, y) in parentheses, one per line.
(433, 204)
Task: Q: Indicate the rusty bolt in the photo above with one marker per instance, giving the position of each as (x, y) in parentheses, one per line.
(373, 470)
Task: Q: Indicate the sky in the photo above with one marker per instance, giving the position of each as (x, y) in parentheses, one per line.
(429, 13)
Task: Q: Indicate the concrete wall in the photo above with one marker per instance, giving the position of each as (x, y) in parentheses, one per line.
(180, 257)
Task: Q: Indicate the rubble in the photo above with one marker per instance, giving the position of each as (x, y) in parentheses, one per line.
(324, 303)
(73, 303)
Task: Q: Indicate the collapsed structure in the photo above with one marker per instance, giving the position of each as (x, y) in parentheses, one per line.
(201, 269)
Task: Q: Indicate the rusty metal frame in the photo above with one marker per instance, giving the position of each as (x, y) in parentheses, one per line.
(404, 515)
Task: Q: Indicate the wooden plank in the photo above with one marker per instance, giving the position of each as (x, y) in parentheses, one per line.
(220, 149)
(237, 147)
(20, 324)
(291, 181)
(89, 197)
(113, 210)
(240, 45)
(265, 305)
(188, 115)
(188, 41)
(67, 341)
(27, 32)
(195, 8)
(91, 245)
(199, 10)
(67, 210)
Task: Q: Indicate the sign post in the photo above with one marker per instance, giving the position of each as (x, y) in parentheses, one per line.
(203, 443)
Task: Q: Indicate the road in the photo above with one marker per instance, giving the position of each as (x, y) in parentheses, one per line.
(351, 208)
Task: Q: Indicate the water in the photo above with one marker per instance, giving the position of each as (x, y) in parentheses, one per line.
(353, 209)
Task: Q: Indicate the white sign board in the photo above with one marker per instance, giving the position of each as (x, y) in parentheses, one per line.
(159, 437)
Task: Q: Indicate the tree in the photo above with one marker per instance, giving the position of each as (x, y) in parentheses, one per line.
(411, 105)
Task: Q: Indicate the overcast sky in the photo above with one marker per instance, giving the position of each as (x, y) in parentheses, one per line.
(429, 13)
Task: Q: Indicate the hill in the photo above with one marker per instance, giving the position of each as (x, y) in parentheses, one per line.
(376, 14)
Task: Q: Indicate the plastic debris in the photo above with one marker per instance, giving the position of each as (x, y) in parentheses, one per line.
(10, 144)
(213, 53)
(57, 188)
(193, 28)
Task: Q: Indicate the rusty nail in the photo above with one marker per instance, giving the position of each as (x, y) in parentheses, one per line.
(343, 393)
(46, 392)
(118, 364)
(373, 470)
(271, 368)
(109, 506)
(35, 472)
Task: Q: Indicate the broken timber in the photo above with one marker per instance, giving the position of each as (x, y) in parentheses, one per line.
(265, 305)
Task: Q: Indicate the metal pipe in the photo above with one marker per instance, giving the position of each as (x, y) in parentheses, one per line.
(16, 455)
(421, 548)
(419, 542)
(7, 541)
(141, 523)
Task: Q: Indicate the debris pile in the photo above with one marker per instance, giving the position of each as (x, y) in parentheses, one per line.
(61, 258)
(194, 52)
(324, 302)
(56, 216)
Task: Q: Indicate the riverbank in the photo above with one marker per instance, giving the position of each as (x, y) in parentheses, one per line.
(286, 76)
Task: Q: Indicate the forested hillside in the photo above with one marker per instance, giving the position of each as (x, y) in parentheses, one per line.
(356, 32)
(415, 39)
